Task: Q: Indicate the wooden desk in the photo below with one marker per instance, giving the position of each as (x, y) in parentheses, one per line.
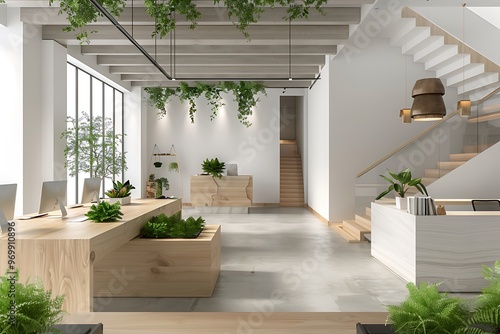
(229, 322)
(62, 253)
(230, 191)
(450, 249)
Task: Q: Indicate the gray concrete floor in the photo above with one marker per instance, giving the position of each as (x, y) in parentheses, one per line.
(283, 260)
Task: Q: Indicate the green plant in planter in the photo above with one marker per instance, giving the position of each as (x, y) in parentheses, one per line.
(163, 226)
(120, 190)
(213, 167)
(173, 167)
(104, 212)
(36, 311)
(427, 311)
(401, 182)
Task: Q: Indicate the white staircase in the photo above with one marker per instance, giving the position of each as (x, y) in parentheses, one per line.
(455, 63)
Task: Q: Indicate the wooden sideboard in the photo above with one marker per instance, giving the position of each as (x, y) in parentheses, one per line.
(230, 191)
(62, 253)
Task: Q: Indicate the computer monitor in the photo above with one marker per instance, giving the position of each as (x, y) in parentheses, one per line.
(53, 197)
(91, 189)
(7, 204)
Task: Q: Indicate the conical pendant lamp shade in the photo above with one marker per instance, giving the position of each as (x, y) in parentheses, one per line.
(428, 104)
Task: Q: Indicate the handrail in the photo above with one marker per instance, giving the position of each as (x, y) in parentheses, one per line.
(423, 133)
(378, 162)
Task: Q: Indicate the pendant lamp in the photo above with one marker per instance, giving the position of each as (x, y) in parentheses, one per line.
(428, 104)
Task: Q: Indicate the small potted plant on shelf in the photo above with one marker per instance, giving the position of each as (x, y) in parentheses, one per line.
(105, 212)
(401, 182)
(173, 167)
(120, 192)
(213, 167)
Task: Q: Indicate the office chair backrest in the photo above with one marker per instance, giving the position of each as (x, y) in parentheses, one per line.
(486, 204)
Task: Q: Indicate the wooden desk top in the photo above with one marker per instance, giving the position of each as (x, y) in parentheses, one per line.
(229, 322)
(53, 227)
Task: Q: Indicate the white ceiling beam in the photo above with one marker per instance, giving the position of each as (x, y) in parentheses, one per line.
(222, 60)
(209, 16)
(214, 70)
(269, 84)
(94, 50)
(256, 76)
(209, 35)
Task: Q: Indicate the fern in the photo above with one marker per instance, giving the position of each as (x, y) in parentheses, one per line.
(213, 167)
(105, 212)
(36, 310)
(427, 311)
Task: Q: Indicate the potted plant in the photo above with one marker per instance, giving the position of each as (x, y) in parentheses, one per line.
(400, 183)
(173, 167)
(427, 311)
(160, 184)
(213, 167)
(28, 308)
(105, 212)
(157, 164)
(120, 192)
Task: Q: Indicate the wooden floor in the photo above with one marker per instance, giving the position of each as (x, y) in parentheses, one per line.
(228, 322)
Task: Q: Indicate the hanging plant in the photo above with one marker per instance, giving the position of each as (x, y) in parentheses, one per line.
(164, 14)
(82, 12)
(245, 95)
(189, 94)
(212, 94)
(158, 98)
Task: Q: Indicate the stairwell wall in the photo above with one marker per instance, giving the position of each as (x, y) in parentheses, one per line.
(367, 90)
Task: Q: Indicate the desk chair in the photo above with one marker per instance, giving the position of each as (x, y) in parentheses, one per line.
(486, 204)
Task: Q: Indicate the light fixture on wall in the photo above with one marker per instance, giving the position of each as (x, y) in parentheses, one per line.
(428, 104)
(463, 105)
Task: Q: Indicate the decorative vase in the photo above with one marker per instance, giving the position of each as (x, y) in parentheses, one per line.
(401, 203)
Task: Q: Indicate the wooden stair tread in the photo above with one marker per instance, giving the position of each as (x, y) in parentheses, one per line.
(337, 227)
(363, 221)
(462, 156)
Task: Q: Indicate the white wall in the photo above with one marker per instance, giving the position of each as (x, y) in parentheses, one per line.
(477, 178)
(302, 140)
(318, 144)
(54, 96)
(254, 149)
(367, 90)
(11, 104)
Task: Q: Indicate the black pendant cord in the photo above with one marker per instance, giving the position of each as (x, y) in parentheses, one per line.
(129, 37)
(132, 18)
(173, 70)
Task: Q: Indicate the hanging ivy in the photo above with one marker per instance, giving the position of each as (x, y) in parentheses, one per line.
(245, 95)
(82, 12)
(245, 12)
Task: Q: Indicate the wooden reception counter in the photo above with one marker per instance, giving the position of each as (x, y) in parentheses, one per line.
(228, 191)
(450, 249)
(62, 253)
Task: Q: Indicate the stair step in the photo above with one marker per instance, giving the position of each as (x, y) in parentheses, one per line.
(443, 66)
(291, 195)
(475, 148)
(462, 156)
(444, 52)
(368, 212)
(354, 229)
(467, 72)
(428, 180)
(436, 173)
(363, 221)
(415, 37)
(450, 164)
(340, 230)
(430, 43)
(292, 205)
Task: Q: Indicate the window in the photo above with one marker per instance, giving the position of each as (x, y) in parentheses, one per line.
(87, 93)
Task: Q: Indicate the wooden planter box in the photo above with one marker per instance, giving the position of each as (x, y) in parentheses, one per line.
(161, 267)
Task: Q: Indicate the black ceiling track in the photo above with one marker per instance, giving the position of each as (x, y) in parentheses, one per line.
(129, 37)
